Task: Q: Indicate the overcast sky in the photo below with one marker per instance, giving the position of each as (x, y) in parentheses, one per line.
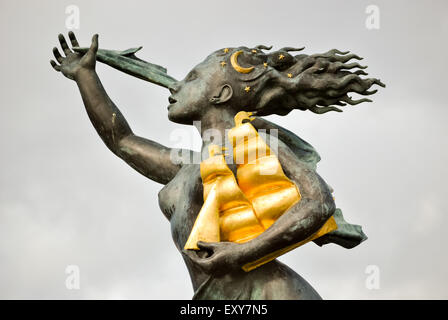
(65, 199)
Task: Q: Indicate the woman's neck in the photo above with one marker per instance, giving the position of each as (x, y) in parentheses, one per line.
(213, 125)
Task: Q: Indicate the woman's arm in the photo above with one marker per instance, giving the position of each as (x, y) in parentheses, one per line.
(302, 220)
(147, 157)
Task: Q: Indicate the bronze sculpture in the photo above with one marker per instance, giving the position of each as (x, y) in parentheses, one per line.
(229, 81)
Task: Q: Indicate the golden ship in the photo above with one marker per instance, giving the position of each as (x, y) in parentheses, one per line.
(240, 209)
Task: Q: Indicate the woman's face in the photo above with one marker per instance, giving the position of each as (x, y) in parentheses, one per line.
(190, 98)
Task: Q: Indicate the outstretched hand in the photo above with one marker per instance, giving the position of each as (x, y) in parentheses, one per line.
(223, 257)
(73, 62)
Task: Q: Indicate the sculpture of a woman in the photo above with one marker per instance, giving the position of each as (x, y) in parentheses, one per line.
(228, 81)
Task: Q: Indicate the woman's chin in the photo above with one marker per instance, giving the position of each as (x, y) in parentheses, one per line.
(178, 117)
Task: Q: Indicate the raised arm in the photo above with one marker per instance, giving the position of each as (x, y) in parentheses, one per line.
(147, 157)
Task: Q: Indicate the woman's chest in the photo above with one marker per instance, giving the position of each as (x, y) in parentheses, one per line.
(181, 200)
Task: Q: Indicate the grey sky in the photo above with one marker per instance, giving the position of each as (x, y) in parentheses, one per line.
(65, 199)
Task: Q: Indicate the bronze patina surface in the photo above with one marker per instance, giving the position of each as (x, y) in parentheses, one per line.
(228, 81)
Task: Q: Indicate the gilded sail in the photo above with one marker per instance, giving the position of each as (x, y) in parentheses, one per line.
(225, 208)
(260, 174)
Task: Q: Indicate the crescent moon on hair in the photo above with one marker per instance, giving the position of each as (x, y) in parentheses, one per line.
(236, 66)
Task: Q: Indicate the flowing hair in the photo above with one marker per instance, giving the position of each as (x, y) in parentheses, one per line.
(280, 82)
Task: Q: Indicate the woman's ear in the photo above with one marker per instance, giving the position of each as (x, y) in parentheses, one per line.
(224, 95)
